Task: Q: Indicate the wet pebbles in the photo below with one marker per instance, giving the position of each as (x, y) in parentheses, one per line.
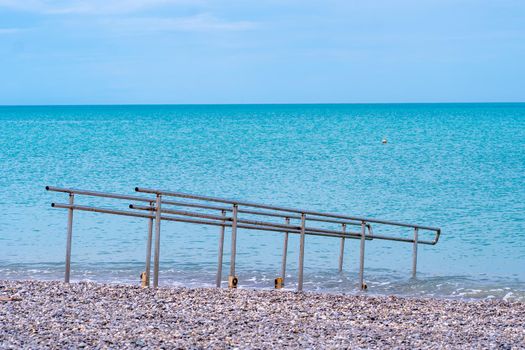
(37, 315)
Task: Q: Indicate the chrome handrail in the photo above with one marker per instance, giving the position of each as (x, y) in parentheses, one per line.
(272, 207)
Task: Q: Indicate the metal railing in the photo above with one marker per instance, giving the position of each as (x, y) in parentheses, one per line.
(232, 214)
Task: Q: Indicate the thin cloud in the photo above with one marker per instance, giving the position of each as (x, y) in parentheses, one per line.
(11, 30)
(94, 7)
(198, 23)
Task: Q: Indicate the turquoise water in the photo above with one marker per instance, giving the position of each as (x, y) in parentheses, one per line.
(460, 167)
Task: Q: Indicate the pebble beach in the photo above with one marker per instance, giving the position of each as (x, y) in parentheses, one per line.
(37, 315)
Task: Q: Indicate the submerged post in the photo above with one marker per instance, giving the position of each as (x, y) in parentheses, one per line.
(148, 248)
(69, 237)
(301, 254)
(157, 241)
(232, 278)
(342, 249)
(219, 259)
(414, 253)
(285, 252)
(362, 257)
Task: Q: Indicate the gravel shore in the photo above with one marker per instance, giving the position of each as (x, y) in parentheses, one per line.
(37, 315)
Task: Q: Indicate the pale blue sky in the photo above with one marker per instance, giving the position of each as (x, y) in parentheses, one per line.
(200, 51)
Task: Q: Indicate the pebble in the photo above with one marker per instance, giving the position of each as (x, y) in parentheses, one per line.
(91, 315)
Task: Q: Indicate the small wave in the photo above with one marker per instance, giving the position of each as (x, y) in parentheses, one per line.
(379, 282)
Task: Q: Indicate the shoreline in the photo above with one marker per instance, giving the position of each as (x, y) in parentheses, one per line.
(94, 315)
(456, 290)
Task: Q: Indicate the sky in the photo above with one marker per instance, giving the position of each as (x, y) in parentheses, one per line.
(275, 51)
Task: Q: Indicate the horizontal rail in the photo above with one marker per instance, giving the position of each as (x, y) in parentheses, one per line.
(102, 210)
(99, 194)
(271, 207)
(123, 196)
(292, 229)
(182, 212)
(186, 204)
(253, 212)
(193, 221)
(282, 227)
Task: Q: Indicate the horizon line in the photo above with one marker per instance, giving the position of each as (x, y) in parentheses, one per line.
(253, 104)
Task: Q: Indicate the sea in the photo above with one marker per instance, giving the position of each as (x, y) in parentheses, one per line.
(459, 167)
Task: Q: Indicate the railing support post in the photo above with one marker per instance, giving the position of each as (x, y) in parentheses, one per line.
(234, 241)
(301, 254)
(285, 252)
(414, 253)
(362, 257)
(148, 248)
(69, 237)
(156, 261)
(219, 259)
(342, 249)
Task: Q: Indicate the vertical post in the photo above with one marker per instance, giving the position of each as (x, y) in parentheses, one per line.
(362, 257)
(219, 260)
(148, 247)
(69, 237)
(414, 253)
(285, 252)
(234, 241)
(301, 254)
(157, 241)
(342, 249)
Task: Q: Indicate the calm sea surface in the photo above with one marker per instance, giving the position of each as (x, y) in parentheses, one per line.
(460, 167)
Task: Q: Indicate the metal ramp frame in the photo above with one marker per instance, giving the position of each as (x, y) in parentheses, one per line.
(236, 214)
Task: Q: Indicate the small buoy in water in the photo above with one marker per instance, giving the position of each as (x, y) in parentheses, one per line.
(383, 141)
